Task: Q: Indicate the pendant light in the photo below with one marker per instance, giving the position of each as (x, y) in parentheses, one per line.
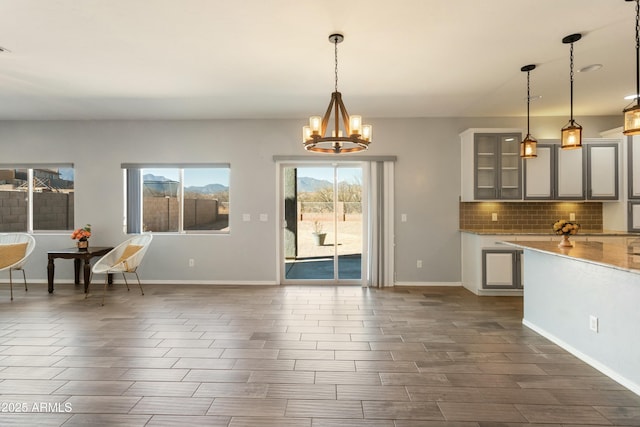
(348, 135)
(529, 145)
(632, 114)
(572, 131)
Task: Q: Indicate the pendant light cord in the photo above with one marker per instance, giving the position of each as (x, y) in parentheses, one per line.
(571, 78)
(335, 42)
(638, 52)
(529, 99)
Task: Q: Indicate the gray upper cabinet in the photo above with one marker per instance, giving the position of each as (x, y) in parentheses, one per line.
(497, 166)
(539, 176)
(493, 170)
(633, 146)
(602, 171)
(590, 173)
(569, 174)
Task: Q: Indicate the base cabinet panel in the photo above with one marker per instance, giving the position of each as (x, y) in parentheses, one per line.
(501, 269)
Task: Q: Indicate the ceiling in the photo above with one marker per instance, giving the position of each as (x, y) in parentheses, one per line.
(201, 59)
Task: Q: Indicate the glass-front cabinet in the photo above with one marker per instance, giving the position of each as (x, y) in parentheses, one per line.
(497, 166)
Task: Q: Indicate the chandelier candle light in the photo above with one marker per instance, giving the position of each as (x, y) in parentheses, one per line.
(528, 146)
(632, 114)
(572, 132)
(348, 135)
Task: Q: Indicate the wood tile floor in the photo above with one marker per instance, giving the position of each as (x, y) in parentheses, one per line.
(285, 356)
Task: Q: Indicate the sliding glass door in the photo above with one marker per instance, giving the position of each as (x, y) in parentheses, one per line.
(323, 223)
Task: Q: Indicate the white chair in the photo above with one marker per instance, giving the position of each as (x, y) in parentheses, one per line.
(124, 258)
(15, 248)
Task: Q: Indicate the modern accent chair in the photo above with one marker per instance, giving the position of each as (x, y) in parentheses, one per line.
(15, 248)
(124, 258)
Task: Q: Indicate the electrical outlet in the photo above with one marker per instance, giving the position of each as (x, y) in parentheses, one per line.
(572, 216)
(192, 262)
(419, 263)
(593, 323)
(494, 216)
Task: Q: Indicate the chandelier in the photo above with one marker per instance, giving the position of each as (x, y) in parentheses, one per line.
(632, 114)
(348, 134)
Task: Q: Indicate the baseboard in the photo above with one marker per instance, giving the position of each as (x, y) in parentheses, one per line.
(585, 358)
(428, 284)
(500, 292)
(156, 282)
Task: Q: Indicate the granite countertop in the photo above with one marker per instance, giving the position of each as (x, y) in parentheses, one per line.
(611, 233)
(616, 255)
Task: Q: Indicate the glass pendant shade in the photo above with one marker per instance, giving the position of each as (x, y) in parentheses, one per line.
(529, 147)
(571, 136)
(632, 120)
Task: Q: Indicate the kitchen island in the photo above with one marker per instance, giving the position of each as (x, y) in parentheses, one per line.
(586, 299)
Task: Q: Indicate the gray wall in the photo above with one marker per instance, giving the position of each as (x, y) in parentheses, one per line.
(427, 187)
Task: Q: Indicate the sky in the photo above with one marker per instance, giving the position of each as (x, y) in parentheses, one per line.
(194, 177)
(351, 175)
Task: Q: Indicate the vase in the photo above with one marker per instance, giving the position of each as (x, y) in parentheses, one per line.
(318, 238)
(565, 243)
(83, 245)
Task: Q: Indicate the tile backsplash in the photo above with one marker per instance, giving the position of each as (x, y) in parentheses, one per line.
(528, 216)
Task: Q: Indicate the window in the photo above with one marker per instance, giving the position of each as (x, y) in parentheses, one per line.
(178, 199)
(36, 197)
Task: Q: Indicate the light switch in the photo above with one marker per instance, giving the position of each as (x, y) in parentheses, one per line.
(264, 217)
(494, 216)
(403, 217)
(246, 217)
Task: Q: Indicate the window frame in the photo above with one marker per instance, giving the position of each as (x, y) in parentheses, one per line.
(134, 195)
(30, 193)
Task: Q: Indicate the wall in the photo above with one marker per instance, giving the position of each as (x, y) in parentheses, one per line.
(427, 185)
(52, 211)
(560, 295)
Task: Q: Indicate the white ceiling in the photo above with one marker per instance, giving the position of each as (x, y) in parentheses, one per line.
(198, 59)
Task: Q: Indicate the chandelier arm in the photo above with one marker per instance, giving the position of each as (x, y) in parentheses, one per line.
(345, 117)
(327, 115)
(337, 114)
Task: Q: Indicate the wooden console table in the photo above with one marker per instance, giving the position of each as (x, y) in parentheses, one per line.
(77, 256)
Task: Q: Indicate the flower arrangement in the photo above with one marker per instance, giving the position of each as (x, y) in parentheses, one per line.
(565, 228)
(82, 233)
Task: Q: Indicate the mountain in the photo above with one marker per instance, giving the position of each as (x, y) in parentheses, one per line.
(307, 184)
(150, 179)
(207, 189)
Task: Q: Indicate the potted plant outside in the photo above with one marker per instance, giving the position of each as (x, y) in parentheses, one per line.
(318, 233)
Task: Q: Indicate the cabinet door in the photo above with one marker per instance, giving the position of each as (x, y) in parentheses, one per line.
(538, 174)
(486, 166)
(634, 166)
(500, 269)
(569, 174)
(634, 216)
(602, 171)
(510, 178)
